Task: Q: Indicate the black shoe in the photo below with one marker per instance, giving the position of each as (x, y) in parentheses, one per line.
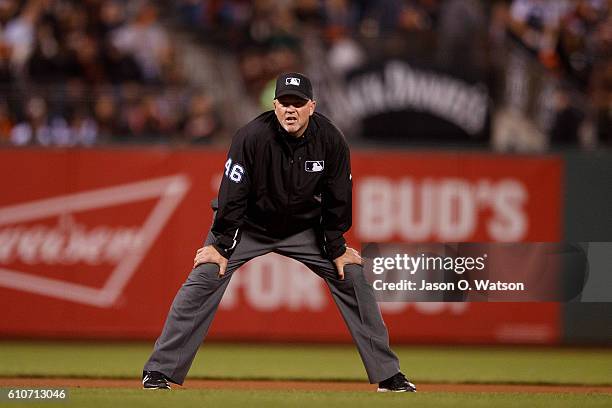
(154, 380)
(397, 383)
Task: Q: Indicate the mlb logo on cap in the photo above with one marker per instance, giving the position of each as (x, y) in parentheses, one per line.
(292, 81)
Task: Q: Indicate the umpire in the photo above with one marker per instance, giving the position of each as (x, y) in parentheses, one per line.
(286, 189)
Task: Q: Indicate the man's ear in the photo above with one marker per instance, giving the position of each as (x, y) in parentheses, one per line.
(313, 105)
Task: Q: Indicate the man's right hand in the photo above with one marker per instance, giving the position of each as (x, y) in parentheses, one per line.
(209, 254)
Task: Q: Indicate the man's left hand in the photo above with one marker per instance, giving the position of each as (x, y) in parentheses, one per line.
(351, 256)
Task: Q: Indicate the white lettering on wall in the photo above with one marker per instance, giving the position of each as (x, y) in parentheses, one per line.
(448, 209)
(402, 87)
(67, 243)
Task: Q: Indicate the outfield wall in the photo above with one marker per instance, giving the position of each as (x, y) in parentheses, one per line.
(94, 243)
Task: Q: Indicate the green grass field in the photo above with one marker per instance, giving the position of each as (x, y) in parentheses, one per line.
(294, 362)
(341, 363)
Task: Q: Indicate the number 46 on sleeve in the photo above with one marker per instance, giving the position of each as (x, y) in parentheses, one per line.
(235, 172)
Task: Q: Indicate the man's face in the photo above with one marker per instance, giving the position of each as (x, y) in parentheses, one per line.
(293, 113)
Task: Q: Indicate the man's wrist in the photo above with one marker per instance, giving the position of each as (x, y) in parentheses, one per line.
(337, 252)
(223, 252)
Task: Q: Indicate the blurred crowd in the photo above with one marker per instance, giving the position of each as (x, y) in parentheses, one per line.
(83, 72)
(570, 39)
(80, 72)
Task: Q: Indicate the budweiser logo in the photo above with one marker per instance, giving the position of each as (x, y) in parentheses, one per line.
(68, 242)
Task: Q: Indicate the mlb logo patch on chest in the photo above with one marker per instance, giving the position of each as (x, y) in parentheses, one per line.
(313, 166)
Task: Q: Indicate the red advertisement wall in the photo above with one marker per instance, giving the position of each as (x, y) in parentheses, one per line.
(95, 243)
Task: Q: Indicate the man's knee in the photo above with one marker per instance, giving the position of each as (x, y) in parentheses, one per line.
(206, 273)
(353, 272)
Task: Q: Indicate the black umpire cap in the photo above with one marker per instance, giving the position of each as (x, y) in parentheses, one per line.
(293, 83)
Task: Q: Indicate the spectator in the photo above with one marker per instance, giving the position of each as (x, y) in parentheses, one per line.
(462, 35)
(6, 74)
(147, 41)
(535, 24)
(568, 118)
(19, 34)
(34, 128)
(105, 115)
(601, 81)
(576, 46)
(48, 62)
(345, 54)
(201, 122)
(83, 128)
(419, 15)
(112, 15)
(6, 123)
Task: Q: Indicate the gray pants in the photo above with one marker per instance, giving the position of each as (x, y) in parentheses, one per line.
(196, 302)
